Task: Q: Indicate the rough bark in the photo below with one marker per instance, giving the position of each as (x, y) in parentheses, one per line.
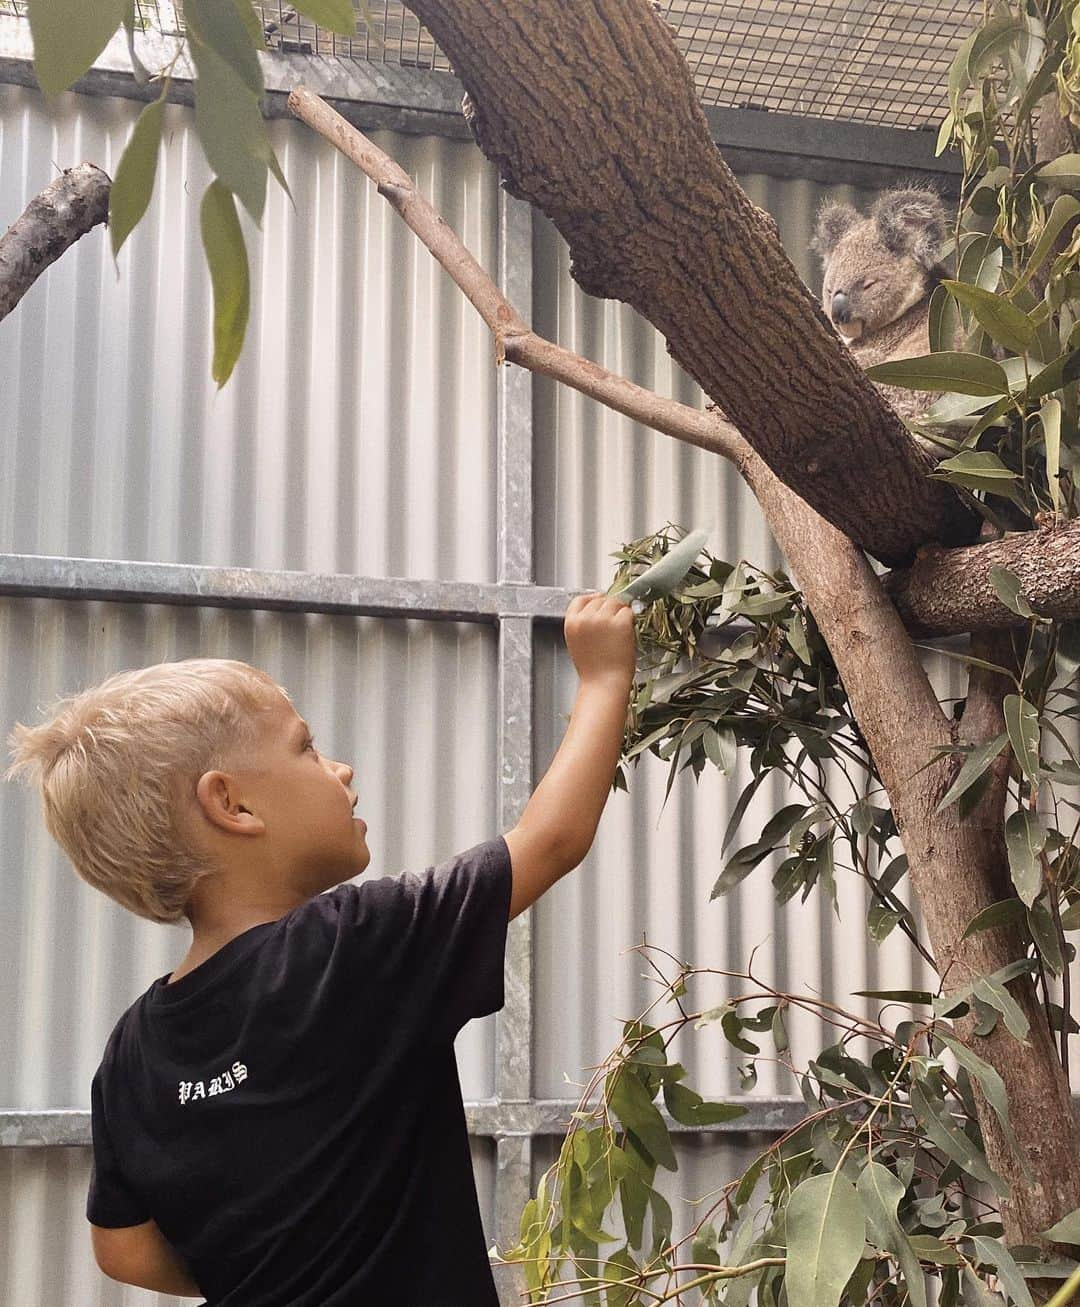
(949, 590)
(66, 209)
(622, 162)
(956, 868)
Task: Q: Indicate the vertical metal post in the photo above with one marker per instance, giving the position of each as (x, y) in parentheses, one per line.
(514, 1028)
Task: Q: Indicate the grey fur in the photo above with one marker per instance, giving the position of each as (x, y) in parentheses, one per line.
(880, 271)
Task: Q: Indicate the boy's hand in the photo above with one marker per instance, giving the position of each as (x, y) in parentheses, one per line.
(599, 631)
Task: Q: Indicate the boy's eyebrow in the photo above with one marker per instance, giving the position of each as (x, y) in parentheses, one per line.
(303, 732)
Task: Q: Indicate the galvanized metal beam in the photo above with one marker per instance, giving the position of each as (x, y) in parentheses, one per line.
(514, 566)
(486, 1119)
(39, 575)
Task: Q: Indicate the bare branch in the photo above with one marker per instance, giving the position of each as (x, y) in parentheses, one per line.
(54, 219)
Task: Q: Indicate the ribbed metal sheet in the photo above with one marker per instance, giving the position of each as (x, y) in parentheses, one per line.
(383, 695)
(357, 433)
(45, 1254)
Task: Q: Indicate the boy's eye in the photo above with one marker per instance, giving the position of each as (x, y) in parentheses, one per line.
(310, 745)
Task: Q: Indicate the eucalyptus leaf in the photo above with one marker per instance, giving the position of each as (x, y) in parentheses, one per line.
(997, 914)
(966, 374)
(1050, 418)
(976, 763)
(881, 1193)
(826, 1230)
(335, 15)
(1025, 838)
(943, 1131)
(990, 1082)
(1067, 1230)
(1004, 321)
(629, 1100)
(68, 35)
(226, 255)
(133, 185)
(1022, 723)
(993, 1252)
(1007, 588)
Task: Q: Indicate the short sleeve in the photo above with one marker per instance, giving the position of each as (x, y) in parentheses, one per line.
(111, 1202)
(441, 937)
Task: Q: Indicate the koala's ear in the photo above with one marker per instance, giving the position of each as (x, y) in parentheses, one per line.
(911, 221)
(833, 221)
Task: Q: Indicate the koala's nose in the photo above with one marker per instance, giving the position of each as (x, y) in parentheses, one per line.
(841, 308)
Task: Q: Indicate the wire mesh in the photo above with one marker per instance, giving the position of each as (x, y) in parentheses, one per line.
(871, 61)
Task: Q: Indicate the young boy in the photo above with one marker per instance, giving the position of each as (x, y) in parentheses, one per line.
(278, 1123)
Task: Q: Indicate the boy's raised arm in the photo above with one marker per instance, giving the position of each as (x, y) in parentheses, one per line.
(557, 828)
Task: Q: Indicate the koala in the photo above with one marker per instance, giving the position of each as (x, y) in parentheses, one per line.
(880, 272)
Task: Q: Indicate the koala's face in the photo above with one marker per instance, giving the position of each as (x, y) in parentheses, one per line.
(876, 268)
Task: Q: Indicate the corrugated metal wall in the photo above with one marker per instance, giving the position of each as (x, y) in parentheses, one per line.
(357, 435)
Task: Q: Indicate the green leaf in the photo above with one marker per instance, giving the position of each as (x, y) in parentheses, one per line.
(1064, 211)
(929, 1249)
(1044, 933)
(881, 921)
(219, 24)
(1025, 838)
(1022, 722)
(1050, 418)
(135, 173)
(689, 1108)
(990, 1082)
(740, 809)
(944, 1133)
(977, 762)
(897, 995)
(1067, 1229)
(993, 1252)
(721, 748)
(739, 866)
(667, 572)
(997, 914)
(629, 1100)
(1064, 171)
(227, 258)
(231, 128)
(977, 467)
(966, 374)
(881, 1192)
(68, 35)
(826, 1231)
(1007, 588)
(993, 992)
(943, 323)
(335, 15)
(1004, 321)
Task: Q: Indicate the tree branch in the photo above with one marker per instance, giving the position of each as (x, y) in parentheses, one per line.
(945, 593)
(55, 218)
(589, 112)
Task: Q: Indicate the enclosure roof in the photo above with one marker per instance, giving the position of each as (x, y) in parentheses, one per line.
(868, 61)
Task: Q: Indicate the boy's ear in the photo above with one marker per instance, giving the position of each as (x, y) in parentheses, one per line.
(215, 794)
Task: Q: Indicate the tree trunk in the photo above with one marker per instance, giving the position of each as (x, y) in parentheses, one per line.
(590, 114)
(54, 219)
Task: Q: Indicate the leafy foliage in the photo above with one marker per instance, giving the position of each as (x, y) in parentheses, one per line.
(224, 38)
(885, 1184)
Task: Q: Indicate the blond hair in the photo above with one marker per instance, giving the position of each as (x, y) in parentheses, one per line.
(117, 766)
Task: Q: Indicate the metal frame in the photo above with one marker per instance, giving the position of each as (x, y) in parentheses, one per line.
(405, 100)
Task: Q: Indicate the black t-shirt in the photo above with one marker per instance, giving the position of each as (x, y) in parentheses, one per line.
(289, 1112)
